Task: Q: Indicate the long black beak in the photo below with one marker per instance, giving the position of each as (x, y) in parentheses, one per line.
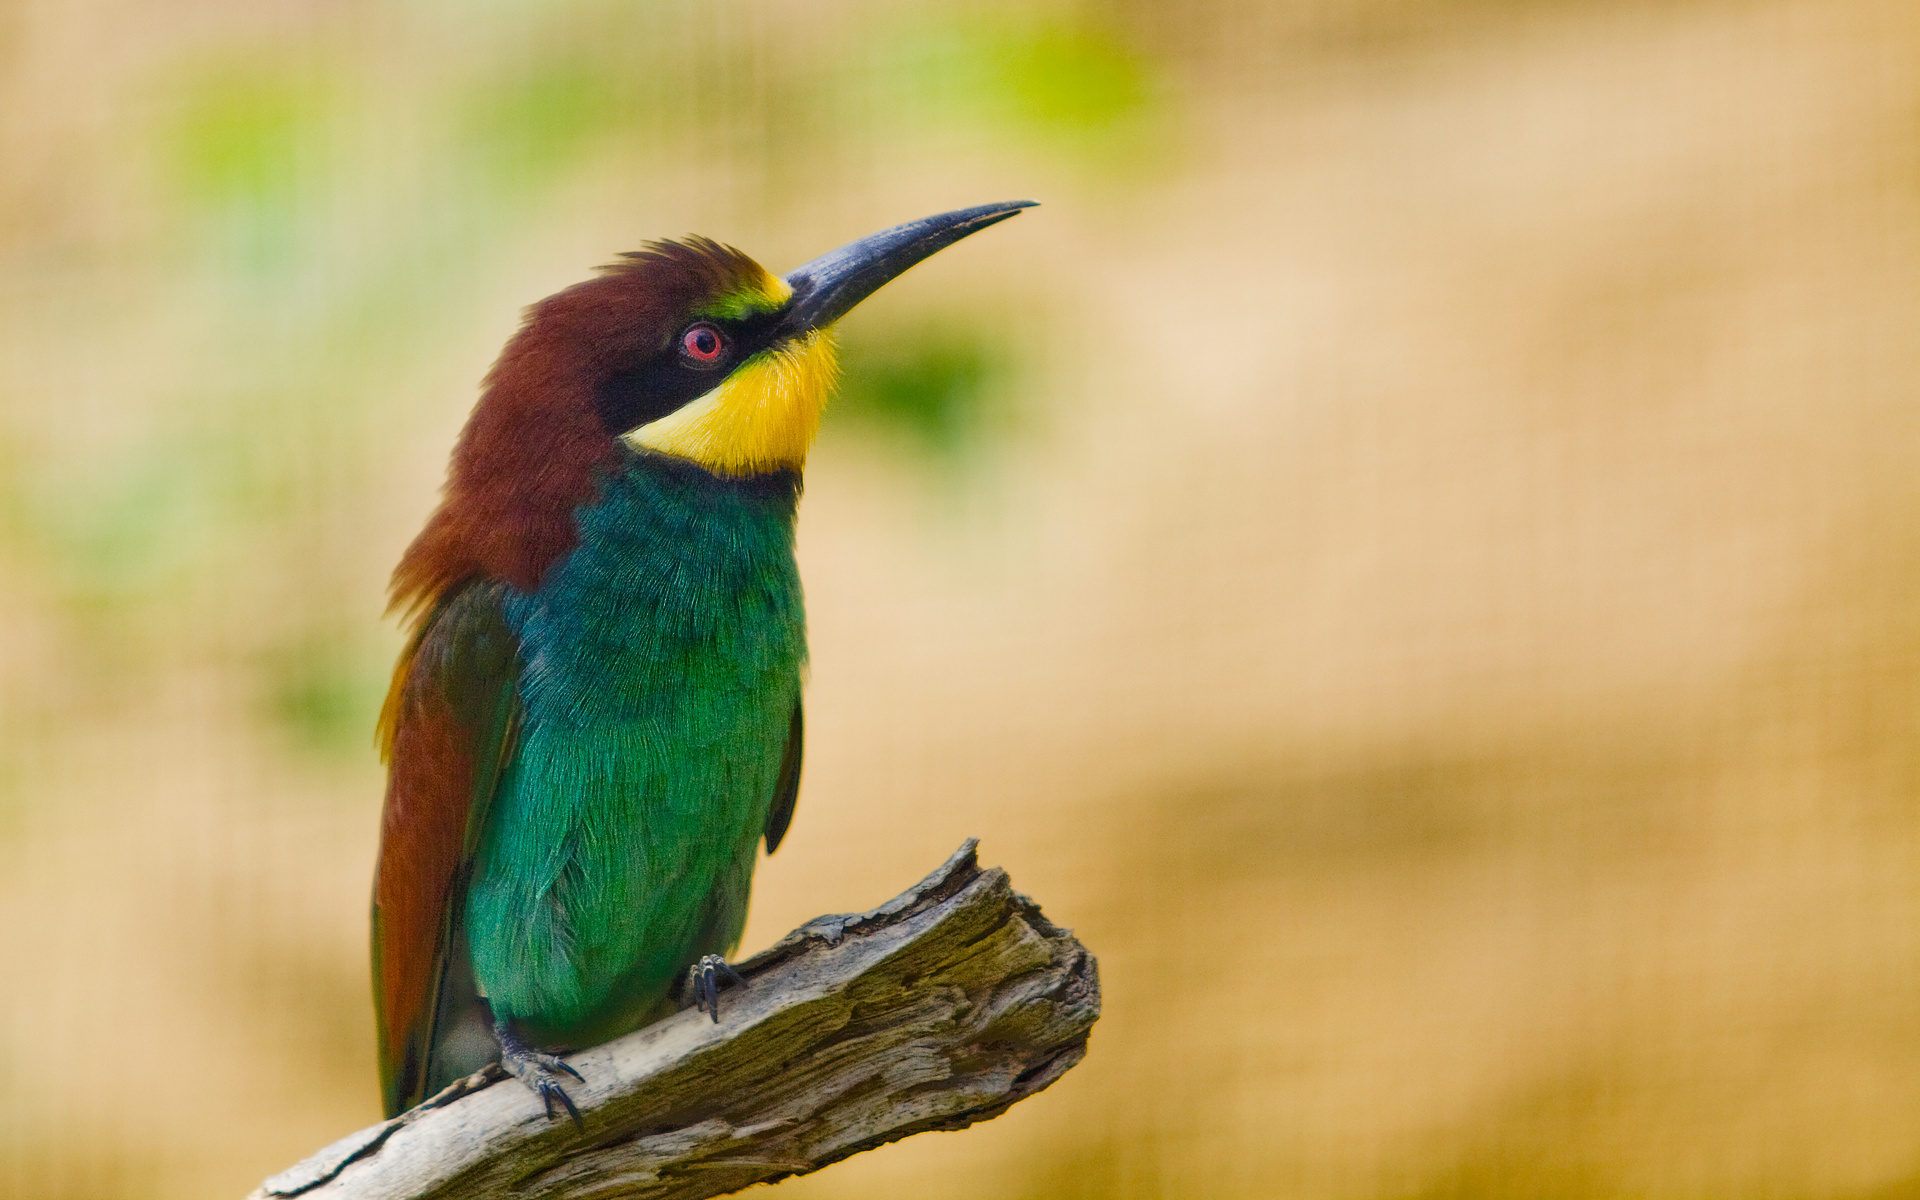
(826, 288)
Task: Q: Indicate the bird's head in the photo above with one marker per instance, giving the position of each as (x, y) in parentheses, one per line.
(687, 348)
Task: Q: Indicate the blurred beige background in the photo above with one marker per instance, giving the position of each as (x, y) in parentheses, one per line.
(1411, 552)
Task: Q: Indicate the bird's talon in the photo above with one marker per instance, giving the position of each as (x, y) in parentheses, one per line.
(540, 1071)
(705, 977)
(550, 1092)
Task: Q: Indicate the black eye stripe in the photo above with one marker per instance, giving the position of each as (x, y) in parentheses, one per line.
(634, 396)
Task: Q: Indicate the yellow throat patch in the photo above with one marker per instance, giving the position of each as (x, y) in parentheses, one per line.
(761, 418)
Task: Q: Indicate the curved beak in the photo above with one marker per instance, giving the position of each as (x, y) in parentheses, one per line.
(825, 289)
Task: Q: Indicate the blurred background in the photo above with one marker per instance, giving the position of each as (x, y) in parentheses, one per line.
(1411, 552)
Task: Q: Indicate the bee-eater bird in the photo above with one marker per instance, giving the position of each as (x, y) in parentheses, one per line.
(597, 717)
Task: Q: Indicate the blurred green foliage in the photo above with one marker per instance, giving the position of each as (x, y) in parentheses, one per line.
(529, 128)
(947, 386)
(324, 693)
(249, 150)
(1065, 81)
(241, 137)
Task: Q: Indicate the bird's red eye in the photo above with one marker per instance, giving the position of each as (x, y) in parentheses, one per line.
(702, 345)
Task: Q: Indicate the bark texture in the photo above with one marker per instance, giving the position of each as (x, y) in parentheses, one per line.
(938, 1009)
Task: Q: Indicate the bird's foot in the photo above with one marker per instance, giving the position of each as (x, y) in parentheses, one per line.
(703, 980)
(540, 1071)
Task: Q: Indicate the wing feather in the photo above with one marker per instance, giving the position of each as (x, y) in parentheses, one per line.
(447, 732)
(787, 790)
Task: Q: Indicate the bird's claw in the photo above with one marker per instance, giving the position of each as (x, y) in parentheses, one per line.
(541, 1072)
(705, 977)
(554, 1099)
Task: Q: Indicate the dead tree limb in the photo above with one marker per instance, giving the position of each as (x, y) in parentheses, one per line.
(938, 1009)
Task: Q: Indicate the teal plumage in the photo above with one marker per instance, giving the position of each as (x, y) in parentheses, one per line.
(661, 680)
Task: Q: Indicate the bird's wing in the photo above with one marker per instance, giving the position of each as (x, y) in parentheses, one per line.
(787, 789)
(448, 731)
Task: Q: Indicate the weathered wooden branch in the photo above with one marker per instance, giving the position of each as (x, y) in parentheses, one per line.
(938, 1009)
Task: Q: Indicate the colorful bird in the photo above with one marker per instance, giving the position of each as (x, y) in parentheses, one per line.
(597, 717)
